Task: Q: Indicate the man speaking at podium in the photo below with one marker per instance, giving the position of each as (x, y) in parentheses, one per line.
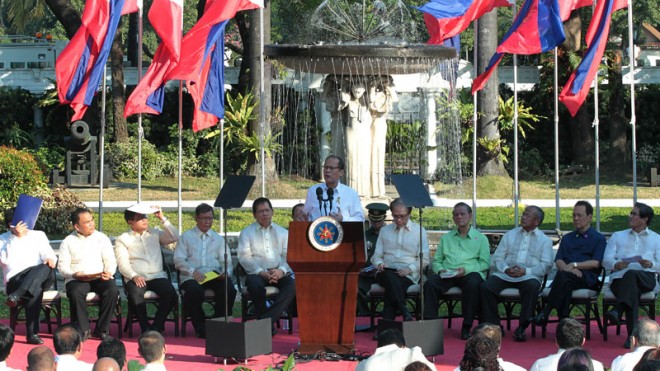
(332, 198)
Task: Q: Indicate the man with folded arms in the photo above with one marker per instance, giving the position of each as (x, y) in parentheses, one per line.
(28, 263)
(522, 258)
(201, 250)
(633, 258)
(462, 259)
(88, 263)
(140, 261)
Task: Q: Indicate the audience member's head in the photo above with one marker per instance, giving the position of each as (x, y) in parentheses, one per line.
(298, 213)
(575, 359)
(646, 333)
(6, 342)
(113, 348)
(480, 352)
(570, 334)
(67, 340)
(151, 346)
(8, 215)
(417, 366)
(391, 336)
(489, 330)
(106, 364)
(41, 358)
(648, 365)
(652, 354)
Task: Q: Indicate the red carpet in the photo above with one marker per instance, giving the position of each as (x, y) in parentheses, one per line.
(188, 353)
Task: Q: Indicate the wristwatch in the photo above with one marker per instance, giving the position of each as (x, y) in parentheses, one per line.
(574, 264)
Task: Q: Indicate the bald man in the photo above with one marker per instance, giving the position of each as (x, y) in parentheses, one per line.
(106, 364)
(41, 358)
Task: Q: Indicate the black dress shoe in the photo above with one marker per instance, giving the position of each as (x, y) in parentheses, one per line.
(201, 334)
(519, 335)
(12, 300)
(85, 335)
(465, 333)
(627, 344)
(539, 319)
(102, 335)
(34, 339)
(612, 316)
(273, 331)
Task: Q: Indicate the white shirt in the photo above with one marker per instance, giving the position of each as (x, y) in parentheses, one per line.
(68, 362)
(18, 254)
(530, 250)
(260, 248)
(154, 367)
(392, 358)
(626, 362)
(89, 255)
(4, 367)
(139, 254)
(345, 199)
(628, 243)
(506, 366)
(399, 248)
(204, 252)
(550, 362)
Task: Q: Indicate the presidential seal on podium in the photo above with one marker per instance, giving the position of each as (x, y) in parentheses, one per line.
(325, 234)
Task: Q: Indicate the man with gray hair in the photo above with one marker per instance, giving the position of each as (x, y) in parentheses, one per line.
(645, 335)
(41, 358)
(570, 334)
(522, 258)
(151, 346)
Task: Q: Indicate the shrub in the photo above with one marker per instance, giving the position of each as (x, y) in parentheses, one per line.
(59, 203)
(19, 173)
(123, 159)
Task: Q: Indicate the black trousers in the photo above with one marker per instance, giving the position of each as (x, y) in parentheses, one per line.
(194, 297)
(364, 285)
(256, 286)
(77, 292)
(529, 293)
(167, 299)
(29, 285)
(470, 285)
(395, 293)
(561, 292)
(628, 290)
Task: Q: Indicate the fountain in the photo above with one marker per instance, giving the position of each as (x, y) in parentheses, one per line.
(362, 64)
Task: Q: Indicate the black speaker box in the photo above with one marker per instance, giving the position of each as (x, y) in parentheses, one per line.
(426, 334)
(238, 339)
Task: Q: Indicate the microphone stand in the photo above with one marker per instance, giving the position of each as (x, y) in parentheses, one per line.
(421, 266)
(224, 215)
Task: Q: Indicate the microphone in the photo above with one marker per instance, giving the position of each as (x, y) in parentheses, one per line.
(331, 194)
(319, 196)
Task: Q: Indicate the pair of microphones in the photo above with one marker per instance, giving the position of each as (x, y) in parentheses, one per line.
(323, 202)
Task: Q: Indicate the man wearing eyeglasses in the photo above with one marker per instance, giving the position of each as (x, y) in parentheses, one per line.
(462, 259)
(262, 248)
(633, 258)
(397, 259)
(140, 261)
(333, 198)
(200, 257)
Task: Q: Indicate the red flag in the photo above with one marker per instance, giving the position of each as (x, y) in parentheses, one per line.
(579, 83)
(166, 16)
(568, 6)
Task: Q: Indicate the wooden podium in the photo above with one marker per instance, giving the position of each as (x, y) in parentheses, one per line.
(326, 288)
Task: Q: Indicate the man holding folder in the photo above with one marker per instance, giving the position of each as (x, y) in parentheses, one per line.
(199, 257)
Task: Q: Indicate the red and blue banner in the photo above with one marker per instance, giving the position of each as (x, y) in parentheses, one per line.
(579, 83)
(447, 18)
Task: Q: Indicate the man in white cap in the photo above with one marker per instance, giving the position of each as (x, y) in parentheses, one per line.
(140, 261)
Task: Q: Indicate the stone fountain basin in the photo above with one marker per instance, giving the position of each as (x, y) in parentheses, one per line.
(360, 59)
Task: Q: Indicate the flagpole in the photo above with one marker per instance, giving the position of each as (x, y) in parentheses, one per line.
(516, 195)
(597, 149)
(140, 129)
(474, 127)
(222, 167)
(102, 149)
(262, 95)
(179, 198)
(556, 96)
(633, 118)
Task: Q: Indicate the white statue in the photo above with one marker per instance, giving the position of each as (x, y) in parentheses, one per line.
(358, 139)
(381, 97)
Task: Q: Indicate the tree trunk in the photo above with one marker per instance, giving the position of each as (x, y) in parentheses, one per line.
(618, 154)
(573, 31)
(66, 14)
(133, 30)
(118, 90)
(488, 162)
